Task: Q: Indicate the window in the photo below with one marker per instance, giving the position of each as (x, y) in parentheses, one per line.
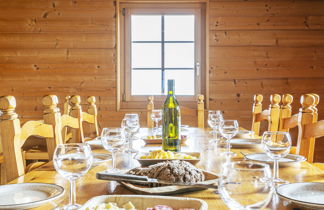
(161, 42)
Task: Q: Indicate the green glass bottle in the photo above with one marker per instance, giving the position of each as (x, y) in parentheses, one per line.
(171, 121)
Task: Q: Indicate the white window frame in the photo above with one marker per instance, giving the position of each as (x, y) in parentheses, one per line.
(126, 100)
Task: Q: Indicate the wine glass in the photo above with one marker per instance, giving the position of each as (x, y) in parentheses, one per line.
(156, 117)
(215, 117)
(132, 126)
(277, 145)
(228, 129)
(246, 185)
(112, 141)
(72, 161)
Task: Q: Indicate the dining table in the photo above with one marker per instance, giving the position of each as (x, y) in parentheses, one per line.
(88, 186)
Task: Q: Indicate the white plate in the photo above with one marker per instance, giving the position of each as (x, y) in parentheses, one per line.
(146, 201)
(309, 194)
(244, 134)
(148, 162)
(286, 161)
(28, 195)
(245, 143)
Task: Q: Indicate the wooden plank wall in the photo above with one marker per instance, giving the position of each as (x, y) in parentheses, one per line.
(68, 47)
(265, 47)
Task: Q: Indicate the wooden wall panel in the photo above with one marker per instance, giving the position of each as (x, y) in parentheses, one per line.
(265, 47)
(69, 47)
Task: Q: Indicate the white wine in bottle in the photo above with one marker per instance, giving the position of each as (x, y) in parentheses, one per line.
(171, 121)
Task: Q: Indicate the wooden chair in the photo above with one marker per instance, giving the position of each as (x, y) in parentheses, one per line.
(60, 123)
(150, 107)
(199, 112)
(13, 136)
(270, 115)
(304, 119)
(307, 116)
(89, 120)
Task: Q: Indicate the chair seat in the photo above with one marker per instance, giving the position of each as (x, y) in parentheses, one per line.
(319, 165)
(36, 154)
(33, 166)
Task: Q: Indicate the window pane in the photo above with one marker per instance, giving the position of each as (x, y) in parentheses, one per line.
(146, 82)
(184, 81)
(146, 27)
(179, 55)
(146, 55)
(179, 27)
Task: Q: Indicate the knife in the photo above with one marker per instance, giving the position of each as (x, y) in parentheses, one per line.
(147, 180)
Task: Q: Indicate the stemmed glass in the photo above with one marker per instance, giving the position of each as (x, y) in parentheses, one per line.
(112, 142)
(215, 117)
(228, 129)
(72, 161)
(132, 126)
(246, 185)
(156, 117)
(277, 145)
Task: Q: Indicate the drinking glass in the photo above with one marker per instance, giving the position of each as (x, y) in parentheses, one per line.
(72, 161)
(112, 141)
(228, 129)
(246, 185)
(132, 126)
(156, 117)
(277, 145)
(215, 117)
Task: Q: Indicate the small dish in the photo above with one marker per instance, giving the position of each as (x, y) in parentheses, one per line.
(148, 162)
(148, 201)
(245, 134)
(28, 195)
(289, 160)
(304, 194)
(245, 143)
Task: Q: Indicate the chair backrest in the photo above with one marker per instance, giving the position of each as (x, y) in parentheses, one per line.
(90, 118)
(13, 136)
(74, 121)
(270, 115)
(199, 112)
(308, 126)
(285, 121)
(52, 116)
(150, 107)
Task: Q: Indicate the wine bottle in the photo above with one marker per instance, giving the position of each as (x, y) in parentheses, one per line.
(171, 121)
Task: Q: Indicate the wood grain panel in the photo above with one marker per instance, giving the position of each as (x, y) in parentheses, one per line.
(296, 38)
(266, 8)
(45, 56)
(57, 40)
